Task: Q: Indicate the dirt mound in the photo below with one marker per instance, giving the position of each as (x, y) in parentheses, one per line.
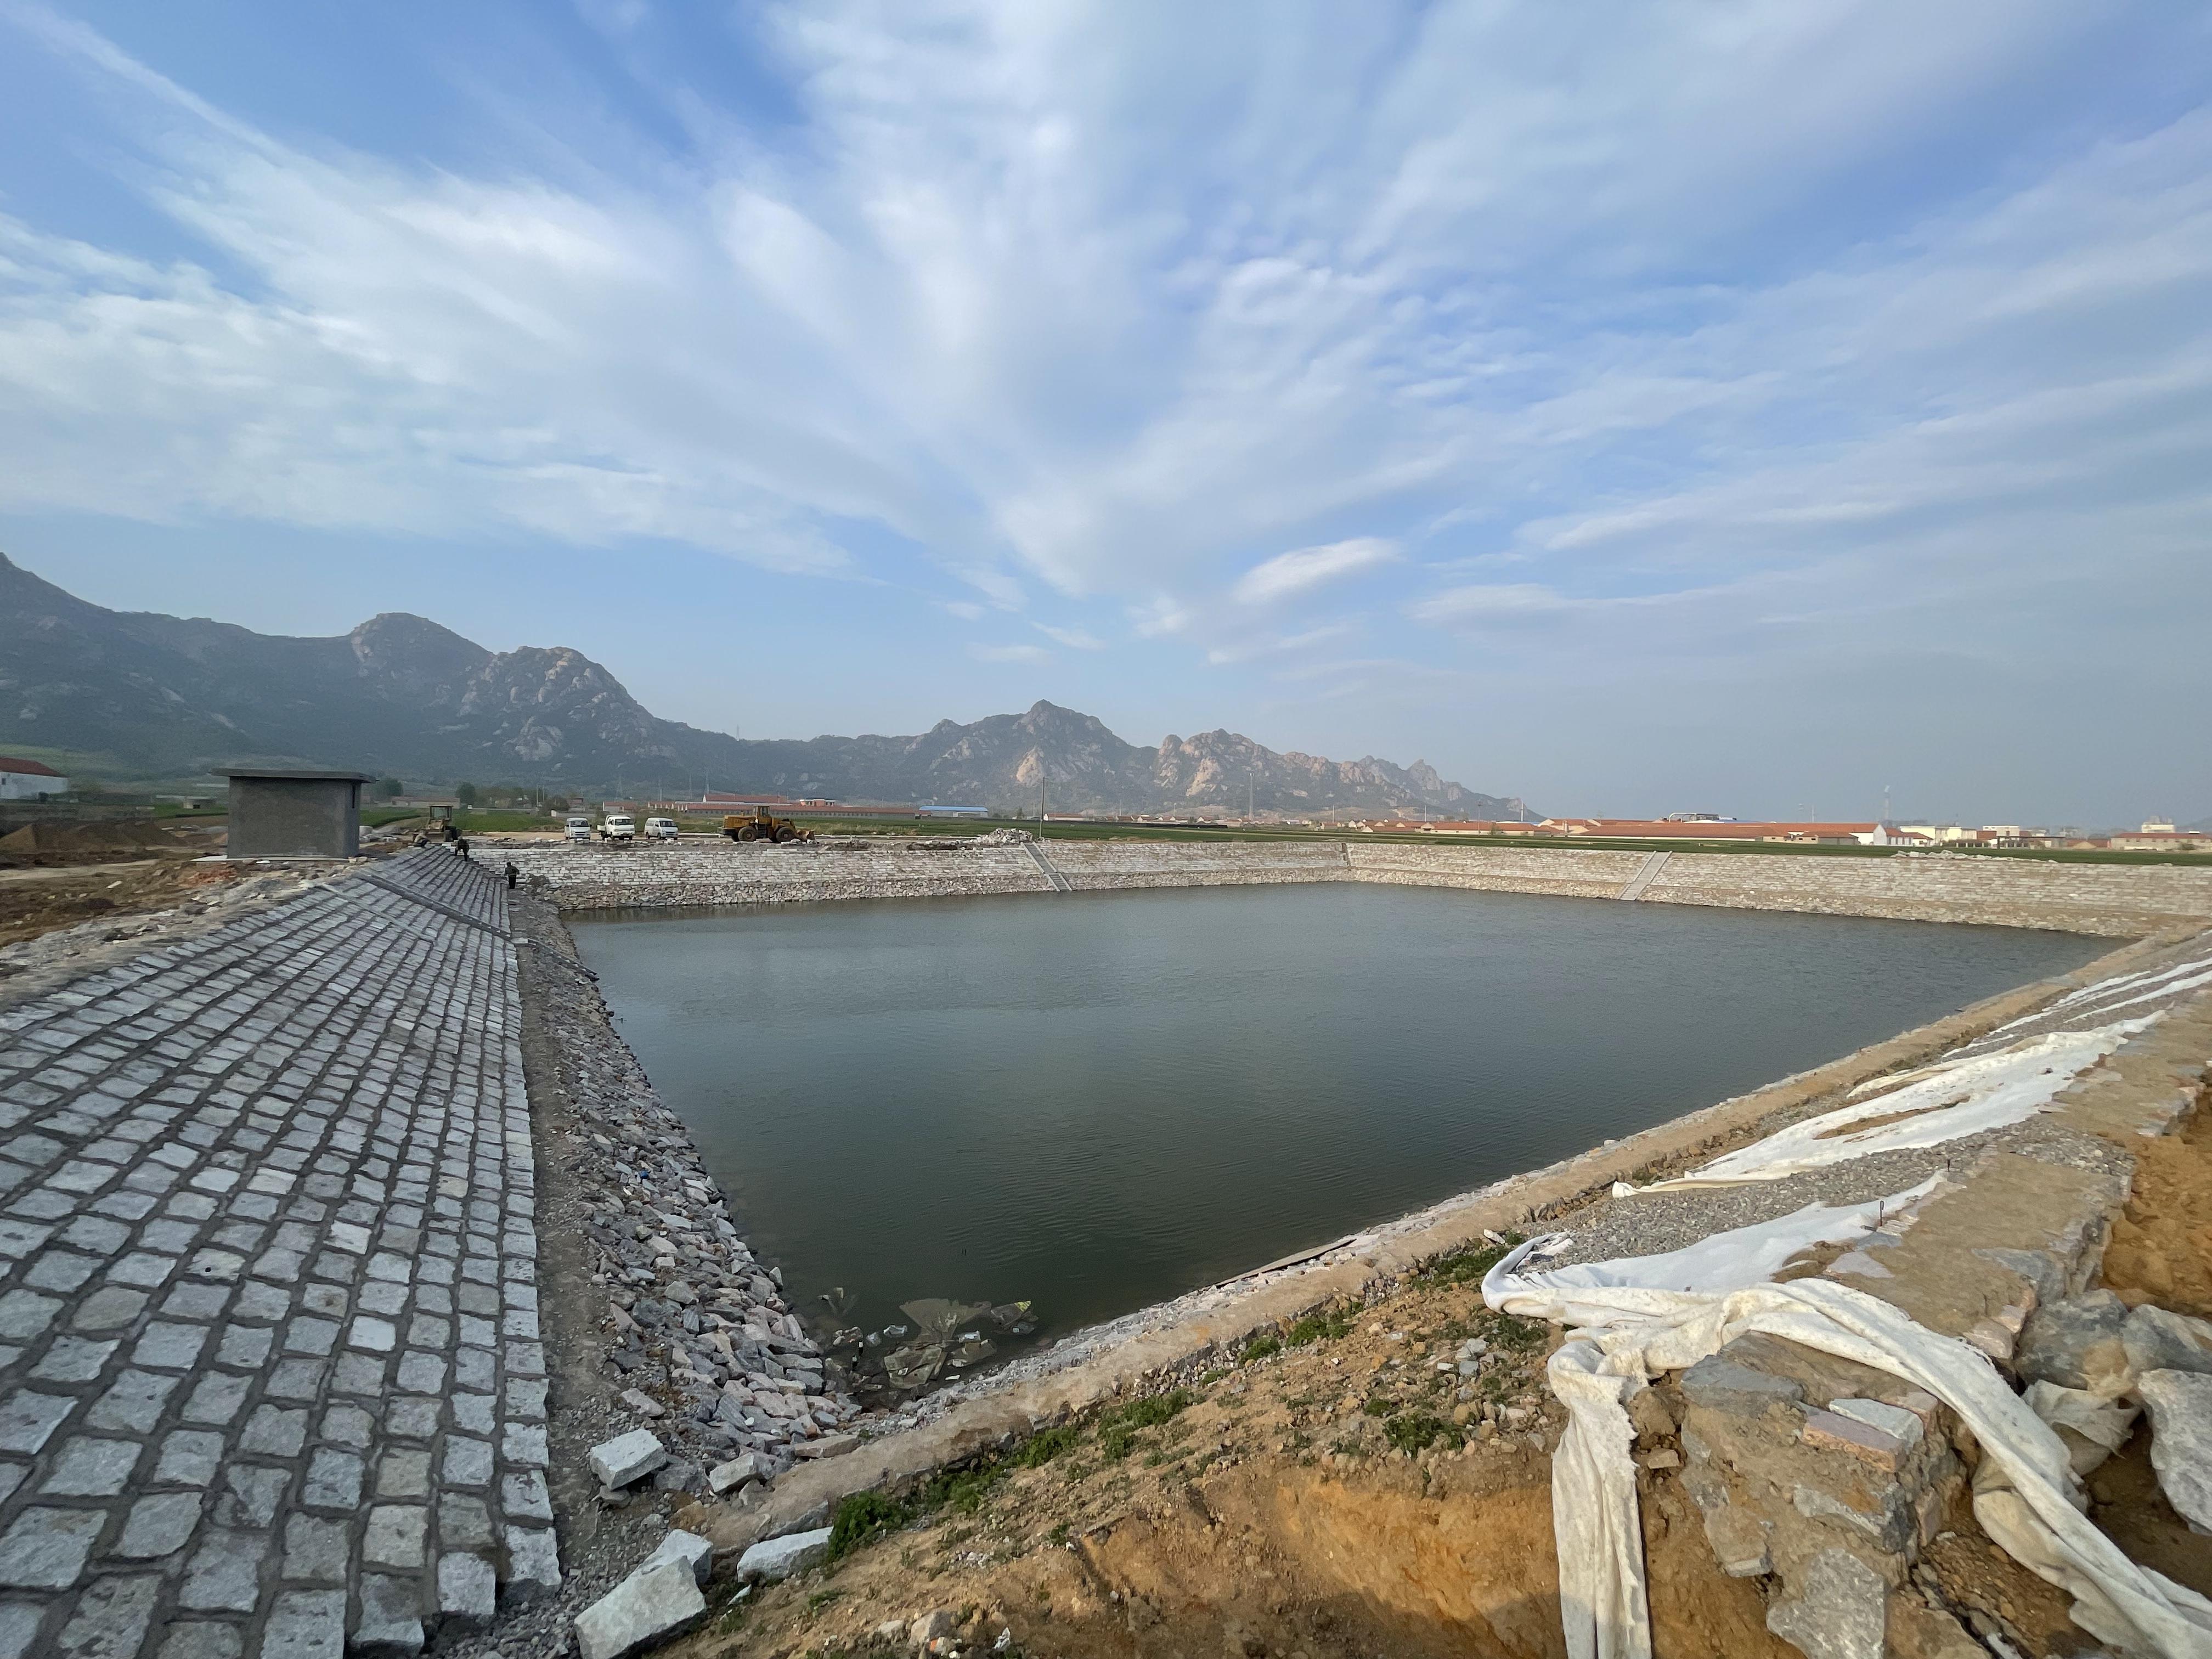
(76, 841)
(2161, 1248)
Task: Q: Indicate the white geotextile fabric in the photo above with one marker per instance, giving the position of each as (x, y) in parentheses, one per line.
(1949, 1100)
(1728, 1260)
(2149, 982)
(2025, 1492)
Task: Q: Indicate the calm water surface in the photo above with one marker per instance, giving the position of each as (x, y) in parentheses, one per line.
(1102, 1100)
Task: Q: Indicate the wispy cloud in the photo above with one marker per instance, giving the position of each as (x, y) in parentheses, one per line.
(1831, 310)
(1021, 654)
(1075, 639)
(1307, 567)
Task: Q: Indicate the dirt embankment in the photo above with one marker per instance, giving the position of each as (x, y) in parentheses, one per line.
(1351, 1493)
(55, 876)
(2161, 1248)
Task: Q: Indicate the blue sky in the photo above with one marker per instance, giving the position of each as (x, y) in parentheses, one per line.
(1633, 408)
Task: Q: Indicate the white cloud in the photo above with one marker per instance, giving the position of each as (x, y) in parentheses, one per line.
(1681, 320)
(1307, 567)
(966, 610)
(1075, 639)
(1478, 603)
(1021, 654)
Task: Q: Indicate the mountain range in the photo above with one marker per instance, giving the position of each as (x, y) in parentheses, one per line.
(138, 694)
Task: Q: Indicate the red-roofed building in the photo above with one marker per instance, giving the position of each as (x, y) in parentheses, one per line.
(29, 780)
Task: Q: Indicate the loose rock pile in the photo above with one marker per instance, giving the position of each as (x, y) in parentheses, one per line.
(708, 1352)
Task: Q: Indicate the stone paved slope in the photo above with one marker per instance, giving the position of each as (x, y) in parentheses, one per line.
(2116, 901)
(270, 1368)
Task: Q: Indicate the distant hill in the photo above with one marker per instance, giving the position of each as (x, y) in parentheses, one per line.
(169, 697)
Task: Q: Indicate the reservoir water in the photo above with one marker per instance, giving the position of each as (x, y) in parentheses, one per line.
(1102, 1100)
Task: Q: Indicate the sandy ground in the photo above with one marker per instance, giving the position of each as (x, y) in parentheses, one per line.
(1287, 1506)
(37, 901)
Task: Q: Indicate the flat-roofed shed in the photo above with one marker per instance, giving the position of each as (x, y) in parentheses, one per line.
(294, 812)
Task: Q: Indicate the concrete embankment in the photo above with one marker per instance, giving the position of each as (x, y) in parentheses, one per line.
(2116, 901)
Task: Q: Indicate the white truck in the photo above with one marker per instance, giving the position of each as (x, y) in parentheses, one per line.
(578, 830)
(661, 830)
(619, 826)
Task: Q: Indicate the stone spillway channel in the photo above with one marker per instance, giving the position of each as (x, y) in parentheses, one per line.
(270, 1373)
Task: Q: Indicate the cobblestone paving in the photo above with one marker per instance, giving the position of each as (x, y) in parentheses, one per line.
(270, 1380)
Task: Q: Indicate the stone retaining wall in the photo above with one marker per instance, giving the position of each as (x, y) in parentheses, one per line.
(2117, 900)
(1109, 866)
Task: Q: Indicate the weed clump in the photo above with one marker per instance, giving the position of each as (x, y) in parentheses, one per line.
(1260, 1348)
(1468, 1266)
(863, 1518)
(962, 1491)
(1409, 1431)
(1330, 1325)
(1519, 1333)
(1040, 1449)
(1118, 1428)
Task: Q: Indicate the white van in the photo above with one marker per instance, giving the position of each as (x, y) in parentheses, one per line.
(619, 826)
(661, 830)
(578, 830)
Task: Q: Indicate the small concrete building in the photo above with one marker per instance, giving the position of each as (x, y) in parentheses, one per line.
(280, 812)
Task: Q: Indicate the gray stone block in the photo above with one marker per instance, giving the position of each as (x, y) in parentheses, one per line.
(198, 1639)
(396, 1536)
(2076, 1343)
(46, 1548)
(28, 1419)
(391, 1624)
(650, 1606)
(315, 1550)
(189, 1457)
(1840, 1610)
(688, 1547)
(626, 1458)
(333, 1481)
(1720, 1385)
(775, 1559)
(2157, 1340)
(111, 1618)
(306, 1625)
(533, 1564)
(86, 1467)
(2180, 1404)
(468, 1594)
(160, 1525)
(225, 1574)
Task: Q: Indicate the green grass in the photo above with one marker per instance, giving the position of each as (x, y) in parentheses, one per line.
(1467, 1266)
(1040, 1448)
(1119, 1426)
(1261, 1348)
(1332, 1325)
(1409, 1431)
(863, 1518)
(1521, 1334)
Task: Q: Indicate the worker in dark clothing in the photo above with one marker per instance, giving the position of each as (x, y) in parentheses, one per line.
(513, 875)
(461, 845)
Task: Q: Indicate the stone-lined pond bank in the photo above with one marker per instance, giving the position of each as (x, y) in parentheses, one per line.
(2114, 900)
